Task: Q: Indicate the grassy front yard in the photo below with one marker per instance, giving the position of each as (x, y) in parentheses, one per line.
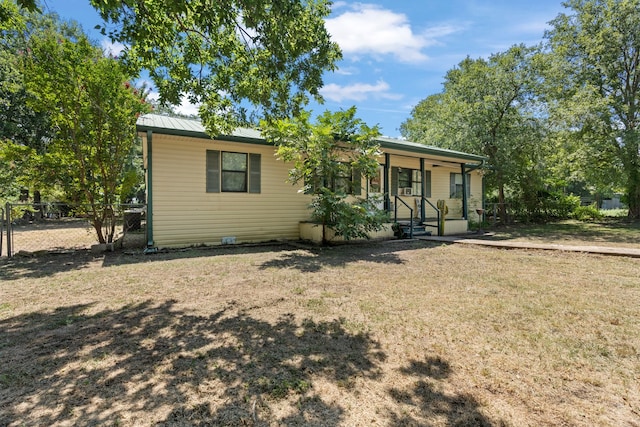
(618, 232)
(393, 334)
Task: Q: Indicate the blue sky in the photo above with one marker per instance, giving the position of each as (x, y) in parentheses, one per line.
(396, 52)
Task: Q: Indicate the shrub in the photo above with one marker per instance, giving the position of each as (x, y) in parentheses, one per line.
(544, 206)
(586, 213)
(615, 213)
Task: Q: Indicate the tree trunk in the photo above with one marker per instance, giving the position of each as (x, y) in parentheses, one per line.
(501, 205)
(632, 168)
(633, 194)
(97, 225)
(325, 242)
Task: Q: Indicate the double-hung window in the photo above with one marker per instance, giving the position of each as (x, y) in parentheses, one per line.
(231, 172)
(455, 187)
(234, 172)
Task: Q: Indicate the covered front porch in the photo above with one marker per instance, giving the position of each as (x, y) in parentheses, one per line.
(427, 189)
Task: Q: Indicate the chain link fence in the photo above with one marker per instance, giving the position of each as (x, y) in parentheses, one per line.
(34, 228)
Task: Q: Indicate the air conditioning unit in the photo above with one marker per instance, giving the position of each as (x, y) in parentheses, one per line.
(406, 191)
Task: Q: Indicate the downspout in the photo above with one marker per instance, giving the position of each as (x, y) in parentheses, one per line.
(150, 245)
(423, 191)
(387, 200)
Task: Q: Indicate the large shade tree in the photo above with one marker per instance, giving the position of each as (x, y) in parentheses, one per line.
(597, 81)
(227, 55)
(92, 109)
(488, 107)
(23, 127)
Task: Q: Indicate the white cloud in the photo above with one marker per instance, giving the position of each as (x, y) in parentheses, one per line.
(187, 107)
(339, 5)
(368, 29)
(111, 48)
(358, 92)
(347, 71)
(432, 34)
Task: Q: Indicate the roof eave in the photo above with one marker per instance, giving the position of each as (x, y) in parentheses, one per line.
(202, 135)
(433, 151)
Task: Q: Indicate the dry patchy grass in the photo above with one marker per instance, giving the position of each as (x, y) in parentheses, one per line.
(393, 334)
(616, 232)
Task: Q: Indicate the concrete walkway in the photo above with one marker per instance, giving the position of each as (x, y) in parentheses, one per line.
(510, 244)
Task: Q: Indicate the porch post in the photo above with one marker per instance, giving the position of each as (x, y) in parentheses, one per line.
(464, 192)
(387, 190)
(423, 191)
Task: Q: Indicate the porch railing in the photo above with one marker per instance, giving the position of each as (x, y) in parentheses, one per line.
(437, 226)
(395, 214)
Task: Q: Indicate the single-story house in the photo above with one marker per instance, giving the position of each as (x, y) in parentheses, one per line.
(233, 189)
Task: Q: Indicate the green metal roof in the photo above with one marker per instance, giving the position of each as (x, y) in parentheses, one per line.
(193, 128)
(415, 147)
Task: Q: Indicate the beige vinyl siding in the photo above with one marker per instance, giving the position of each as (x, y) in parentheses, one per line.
(185, 214)
(440, 185)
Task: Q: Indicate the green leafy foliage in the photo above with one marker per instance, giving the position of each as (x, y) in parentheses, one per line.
(329, 158)
(15, 172)
(93, 110)
(488, 107)
(26, 131)
(596, 81)
(543, 206)
(226, 55)
(9, 15)
(587, 213)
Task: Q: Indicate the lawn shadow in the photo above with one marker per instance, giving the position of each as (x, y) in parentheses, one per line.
(316, 258)
(305, 257)
(39, 266)
(425, 403)
(72, 366)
